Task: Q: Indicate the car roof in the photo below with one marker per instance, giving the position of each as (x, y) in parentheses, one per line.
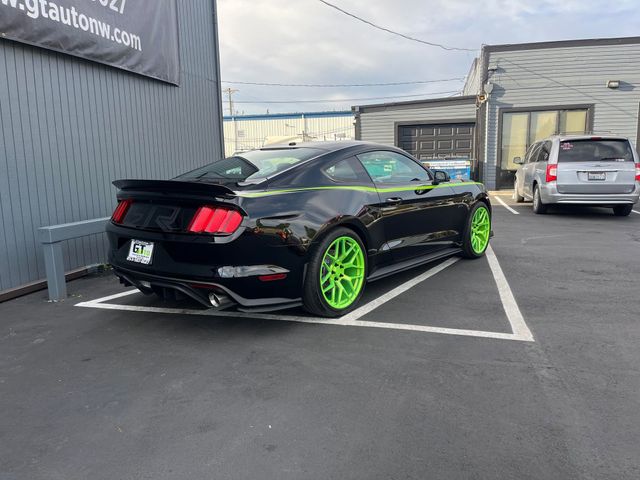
(590, 136)
(352, 147)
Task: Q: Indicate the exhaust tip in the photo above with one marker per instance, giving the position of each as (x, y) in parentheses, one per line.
(214, 300)
(218, 300)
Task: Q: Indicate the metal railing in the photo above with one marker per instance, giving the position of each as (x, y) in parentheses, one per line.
(51, 239)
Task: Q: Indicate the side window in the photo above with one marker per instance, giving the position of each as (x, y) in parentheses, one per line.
(531, 153)
(545, 152)
(391, 167)
(347, 171)
(542, 154)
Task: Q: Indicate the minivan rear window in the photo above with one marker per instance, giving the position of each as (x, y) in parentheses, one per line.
(589, 150)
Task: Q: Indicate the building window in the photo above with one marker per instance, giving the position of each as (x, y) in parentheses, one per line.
(522, 129)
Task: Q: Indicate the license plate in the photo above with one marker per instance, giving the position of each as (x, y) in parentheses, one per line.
(140, 252)
(598, 176)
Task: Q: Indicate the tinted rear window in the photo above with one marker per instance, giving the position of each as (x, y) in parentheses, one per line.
(251, 165)
(595, 150)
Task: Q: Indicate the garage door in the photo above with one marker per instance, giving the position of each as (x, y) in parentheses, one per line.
(437, 141)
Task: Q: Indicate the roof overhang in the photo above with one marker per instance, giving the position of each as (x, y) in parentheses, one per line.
(379, 107)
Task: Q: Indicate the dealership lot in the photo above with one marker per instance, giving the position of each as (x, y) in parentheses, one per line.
(549, 388)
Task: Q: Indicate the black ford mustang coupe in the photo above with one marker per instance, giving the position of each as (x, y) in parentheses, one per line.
(304, 224)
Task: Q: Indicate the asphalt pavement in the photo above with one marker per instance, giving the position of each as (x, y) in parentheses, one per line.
(93, 393)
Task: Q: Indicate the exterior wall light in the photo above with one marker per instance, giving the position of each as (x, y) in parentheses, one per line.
(613, 84)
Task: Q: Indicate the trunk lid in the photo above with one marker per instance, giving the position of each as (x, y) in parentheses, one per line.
(169, 205)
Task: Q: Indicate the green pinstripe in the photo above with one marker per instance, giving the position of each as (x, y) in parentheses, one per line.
(358, 188)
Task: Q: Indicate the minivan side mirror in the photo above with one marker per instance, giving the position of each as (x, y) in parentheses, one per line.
(440, 176)
(518, 160)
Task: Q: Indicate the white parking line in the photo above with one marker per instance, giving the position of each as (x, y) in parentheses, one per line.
(635, 211)
(509, 303)
(519, 328)
(391, 294)
(500, 201)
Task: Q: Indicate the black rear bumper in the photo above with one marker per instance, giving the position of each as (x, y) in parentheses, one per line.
(192, 265)
(200, 291)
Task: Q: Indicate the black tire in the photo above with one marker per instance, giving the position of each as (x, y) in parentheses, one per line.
(538, 207)
(622, 210)
(467, 249)
(312, 297)
(516, 197)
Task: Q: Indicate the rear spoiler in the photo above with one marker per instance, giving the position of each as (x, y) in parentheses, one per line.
(174, 186)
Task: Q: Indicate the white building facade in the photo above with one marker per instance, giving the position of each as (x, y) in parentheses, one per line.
(248, 132)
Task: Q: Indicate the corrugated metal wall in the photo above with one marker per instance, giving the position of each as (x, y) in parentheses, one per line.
(566, 76)
(252, 130)
(69, 127)
(378, 124)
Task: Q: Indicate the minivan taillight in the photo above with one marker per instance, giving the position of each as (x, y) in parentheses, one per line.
(121, 211)
(637, 172)
(215, 220)
(552, 173)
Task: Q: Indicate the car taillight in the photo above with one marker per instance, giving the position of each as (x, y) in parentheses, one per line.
(121, 211)
(552, 173)
(215, 220)
(638, 172)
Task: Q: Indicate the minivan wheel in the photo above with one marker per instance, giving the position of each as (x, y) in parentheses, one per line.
(622, 210)
(517, 197)
(538, 206)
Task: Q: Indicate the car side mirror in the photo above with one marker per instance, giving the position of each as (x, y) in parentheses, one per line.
(440, 176)
(518, 160)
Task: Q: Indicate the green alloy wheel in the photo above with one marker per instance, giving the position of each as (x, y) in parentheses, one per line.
(336, 274)
(478, 231)
(342, 272)
(480, 228)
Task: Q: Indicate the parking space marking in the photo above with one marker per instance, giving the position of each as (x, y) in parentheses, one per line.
(635, 211)
(502, 202)
(514, 315)
(391, 294)
(518, 326)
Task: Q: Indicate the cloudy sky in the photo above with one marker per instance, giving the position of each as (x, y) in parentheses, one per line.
(307, 42)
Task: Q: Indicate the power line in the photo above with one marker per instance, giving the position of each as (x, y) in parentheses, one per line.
(343, 100)
(342, 85)
(384, 29)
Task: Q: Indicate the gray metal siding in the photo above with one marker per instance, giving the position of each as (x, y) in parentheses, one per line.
(566, 76)
(473, 82)
(379, 126)
(68, 127)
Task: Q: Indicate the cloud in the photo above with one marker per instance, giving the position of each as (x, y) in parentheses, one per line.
(305, 41)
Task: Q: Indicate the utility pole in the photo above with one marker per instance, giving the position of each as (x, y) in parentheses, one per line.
(230, 91)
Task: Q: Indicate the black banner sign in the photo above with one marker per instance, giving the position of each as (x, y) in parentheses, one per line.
(137, 35)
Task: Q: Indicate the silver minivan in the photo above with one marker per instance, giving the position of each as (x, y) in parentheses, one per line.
(579, 169)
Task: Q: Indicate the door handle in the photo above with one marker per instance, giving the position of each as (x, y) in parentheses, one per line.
(394, 200)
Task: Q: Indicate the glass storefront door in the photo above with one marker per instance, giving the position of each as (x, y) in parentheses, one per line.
(521, 129)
